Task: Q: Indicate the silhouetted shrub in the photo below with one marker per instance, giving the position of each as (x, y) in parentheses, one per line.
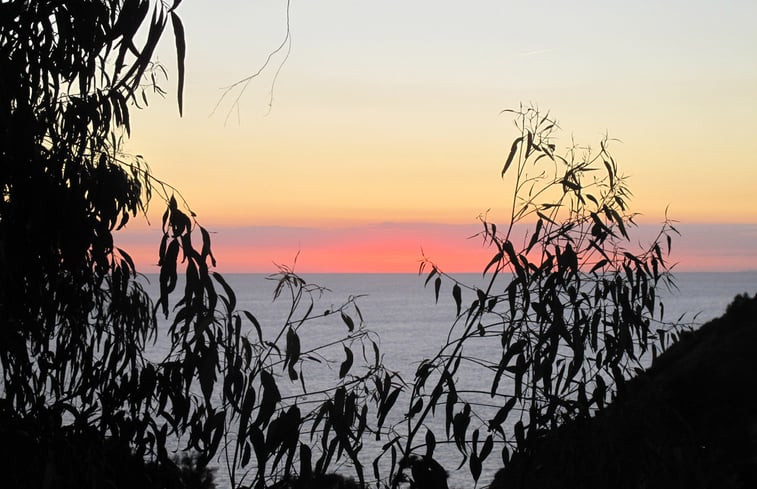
(567, 310)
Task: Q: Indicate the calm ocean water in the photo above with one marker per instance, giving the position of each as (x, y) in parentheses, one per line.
(411, 326)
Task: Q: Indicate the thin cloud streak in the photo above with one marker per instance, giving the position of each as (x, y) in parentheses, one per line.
(535, 52)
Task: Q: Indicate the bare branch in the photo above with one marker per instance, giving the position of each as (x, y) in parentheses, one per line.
(240, 87)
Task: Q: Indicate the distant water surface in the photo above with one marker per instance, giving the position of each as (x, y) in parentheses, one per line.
(412, 326)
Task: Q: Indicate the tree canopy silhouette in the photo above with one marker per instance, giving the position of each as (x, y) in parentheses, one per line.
(79, 394)
(75, 320)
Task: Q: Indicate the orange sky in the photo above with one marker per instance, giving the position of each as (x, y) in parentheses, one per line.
(390, 113)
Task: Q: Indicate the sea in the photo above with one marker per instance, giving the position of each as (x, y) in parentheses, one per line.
(409, 324)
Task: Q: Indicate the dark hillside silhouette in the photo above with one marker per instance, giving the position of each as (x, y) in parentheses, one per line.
(689, 421)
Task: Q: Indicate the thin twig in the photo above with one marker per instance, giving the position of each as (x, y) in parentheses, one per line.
(242, 84)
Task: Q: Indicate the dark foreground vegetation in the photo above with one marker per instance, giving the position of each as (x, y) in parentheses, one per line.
(37, 453)
(688, 421)
(568, 313)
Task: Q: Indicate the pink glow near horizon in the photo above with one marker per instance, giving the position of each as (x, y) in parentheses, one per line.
(399, 248)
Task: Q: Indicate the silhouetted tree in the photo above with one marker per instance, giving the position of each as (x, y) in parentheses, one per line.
(77, 389)
(74, 319)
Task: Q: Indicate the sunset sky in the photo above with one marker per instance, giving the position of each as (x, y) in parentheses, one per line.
(385, 136)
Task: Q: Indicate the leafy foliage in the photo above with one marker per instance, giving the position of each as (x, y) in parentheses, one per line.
(76, 319)
(566, 312)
